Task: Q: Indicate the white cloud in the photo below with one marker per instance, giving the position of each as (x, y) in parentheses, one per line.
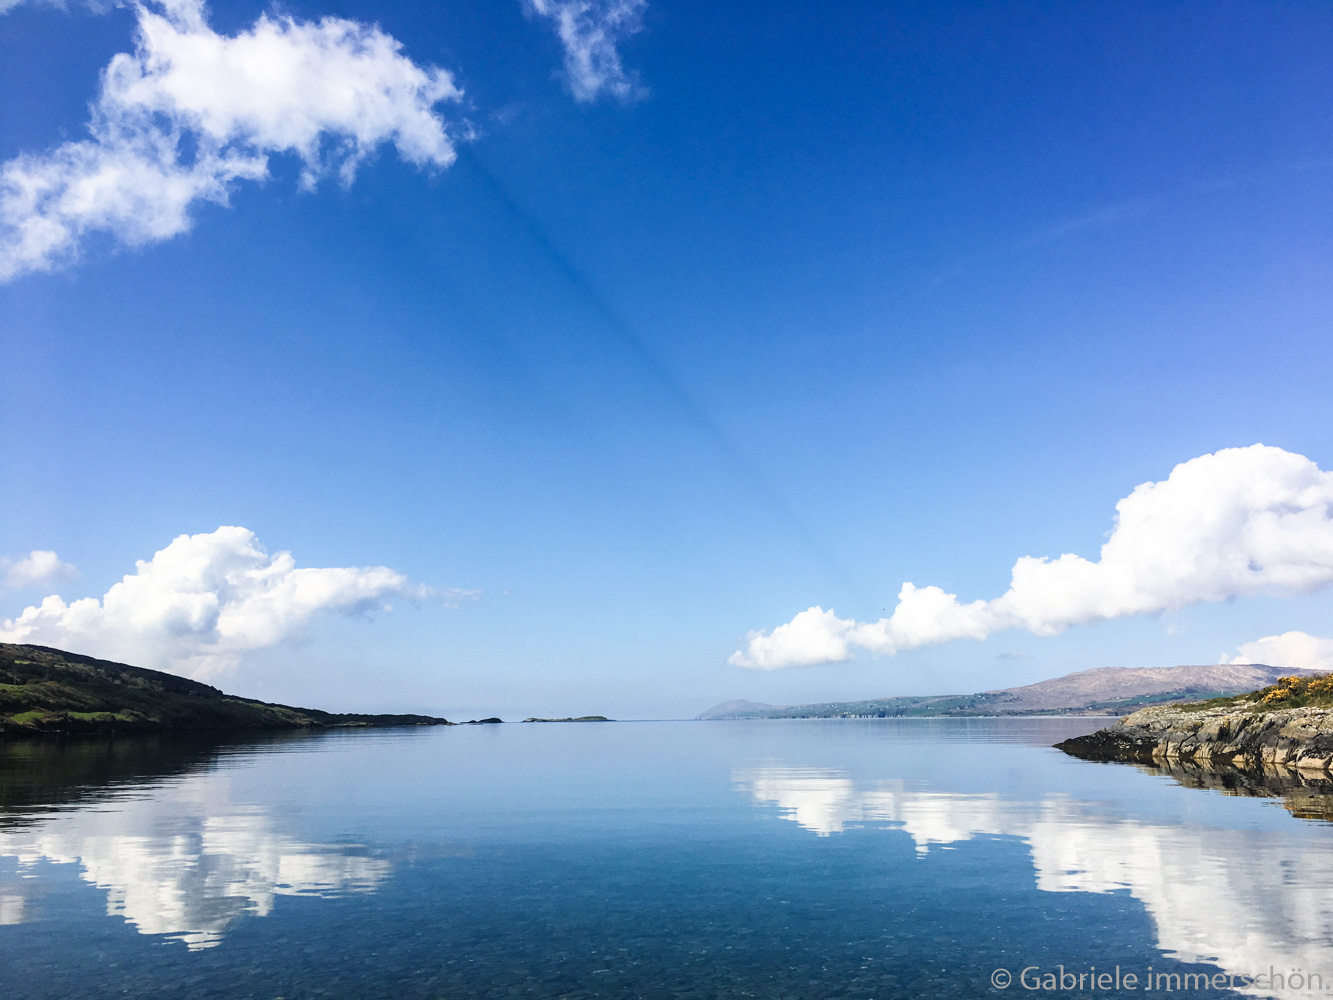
(190, 112)
(1238, 522)
(7, 5)
(1290, 649)
(813, 636)
(38, 567)
(202, 602)
(589, 31)
(455, 597)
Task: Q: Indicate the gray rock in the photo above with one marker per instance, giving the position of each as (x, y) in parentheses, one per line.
(1300, 738)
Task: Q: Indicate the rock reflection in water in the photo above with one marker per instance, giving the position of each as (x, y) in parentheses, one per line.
(180, 858)
(1304, 794)
(1243, 900)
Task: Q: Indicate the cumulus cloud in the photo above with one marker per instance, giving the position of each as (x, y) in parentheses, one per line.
(1238, 522)
(1290, 649)
(589, 31)
(190, 112)
(202, 602)
(38, 568)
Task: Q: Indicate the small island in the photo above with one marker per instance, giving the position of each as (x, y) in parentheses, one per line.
(581, 718)
(46, 691)
(1288, 725)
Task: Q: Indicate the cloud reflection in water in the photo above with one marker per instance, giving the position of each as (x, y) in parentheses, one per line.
(1243, 900)
(183, 860)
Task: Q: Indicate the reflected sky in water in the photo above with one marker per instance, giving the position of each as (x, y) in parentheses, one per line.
(885, 858)
(185, 859)
(1239, 899)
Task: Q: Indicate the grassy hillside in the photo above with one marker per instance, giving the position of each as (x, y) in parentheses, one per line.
(45, 690)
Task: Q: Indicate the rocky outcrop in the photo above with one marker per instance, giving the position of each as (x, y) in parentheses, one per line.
(1243, 736)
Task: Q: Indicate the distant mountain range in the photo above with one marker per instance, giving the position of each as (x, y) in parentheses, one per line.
(1102, 691)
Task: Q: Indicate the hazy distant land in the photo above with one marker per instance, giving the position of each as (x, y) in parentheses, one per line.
(1101, 691)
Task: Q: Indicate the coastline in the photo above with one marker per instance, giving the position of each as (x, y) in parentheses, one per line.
(51, 692)
(1244, 736)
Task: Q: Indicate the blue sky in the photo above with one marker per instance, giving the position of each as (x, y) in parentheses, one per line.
(827, 298)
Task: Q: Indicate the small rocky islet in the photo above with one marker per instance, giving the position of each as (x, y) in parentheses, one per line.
(580, 718)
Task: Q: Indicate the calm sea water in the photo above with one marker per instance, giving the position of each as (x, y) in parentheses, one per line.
(804, 859)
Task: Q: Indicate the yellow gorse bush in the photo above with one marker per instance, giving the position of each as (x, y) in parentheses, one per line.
(1292, 688)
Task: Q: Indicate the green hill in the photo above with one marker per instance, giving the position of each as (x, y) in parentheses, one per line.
(44, 690)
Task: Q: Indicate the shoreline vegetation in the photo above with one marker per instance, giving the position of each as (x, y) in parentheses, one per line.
(45, 691)
(1282, 732)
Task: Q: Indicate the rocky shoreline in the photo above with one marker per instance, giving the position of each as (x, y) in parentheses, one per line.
(1247, 736)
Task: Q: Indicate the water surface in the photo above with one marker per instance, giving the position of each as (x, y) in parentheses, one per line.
(806, 859)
